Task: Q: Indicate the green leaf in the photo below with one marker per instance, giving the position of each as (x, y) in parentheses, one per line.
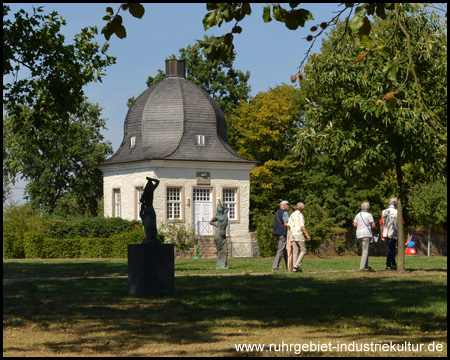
(120, 32)
(370, 8)
(109, 11)
(377, 111)
(400, 95)
(383, 50)
(356, 23)
(391, 103)
(393, 71)
(387, 68)
(210, 20)
(207, 50)
(247, 9)
(227, 39)
(291, 22)
(228, 15)
(380, 10)
(302, 16)
(367, 42)
(266, 14)
(278, 13)
(360, 11)
(240, 14)
(136, 9)
(236, 30)
(117, 20)
(107, 31)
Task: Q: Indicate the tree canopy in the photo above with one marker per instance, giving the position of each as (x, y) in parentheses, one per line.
(429, 203)
(51, 134)
(44, 73)
(62, 164)
(345, 117)
(358, 19)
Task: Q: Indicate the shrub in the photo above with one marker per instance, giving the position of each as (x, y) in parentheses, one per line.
(340, 241)
(19, 219)
(318, 224)
(68, 228)
(179, 233)
(120, 242)
(61, 249)
(8, 245)
(264, 234)
(33, 242)
(114, 247)
(56, 237)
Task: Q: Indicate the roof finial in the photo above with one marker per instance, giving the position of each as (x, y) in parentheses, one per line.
(175, 68)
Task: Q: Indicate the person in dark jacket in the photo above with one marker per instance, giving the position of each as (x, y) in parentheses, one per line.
(280, 225)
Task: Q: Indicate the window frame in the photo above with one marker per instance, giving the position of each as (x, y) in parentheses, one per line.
(236, 202)
(180, 202)
(200, 140)
(137, 203)
(116, 191)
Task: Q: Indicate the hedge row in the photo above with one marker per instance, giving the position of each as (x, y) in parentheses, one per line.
(68, 228)
(36, 245)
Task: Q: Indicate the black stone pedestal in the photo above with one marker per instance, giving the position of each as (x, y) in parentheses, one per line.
(151, 269)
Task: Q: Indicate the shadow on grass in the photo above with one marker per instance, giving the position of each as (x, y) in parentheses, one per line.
(428, 270)
(64, 268)
(103, 317)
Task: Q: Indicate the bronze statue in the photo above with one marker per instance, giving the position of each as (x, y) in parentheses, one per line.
(147, 213)
(221, 237)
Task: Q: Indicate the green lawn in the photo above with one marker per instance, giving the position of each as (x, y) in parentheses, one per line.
(330, 304)
(25, 268)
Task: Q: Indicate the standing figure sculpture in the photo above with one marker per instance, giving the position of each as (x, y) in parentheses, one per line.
(221, 237)
(147, 213)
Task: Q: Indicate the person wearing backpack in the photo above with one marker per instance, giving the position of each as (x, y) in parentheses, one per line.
(364, 224)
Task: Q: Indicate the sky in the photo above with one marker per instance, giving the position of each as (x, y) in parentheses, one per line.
(269, 51)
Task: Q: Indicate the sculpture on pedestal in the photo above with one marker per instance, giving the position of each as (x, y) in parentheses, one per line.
(147, 213)
(221, 237)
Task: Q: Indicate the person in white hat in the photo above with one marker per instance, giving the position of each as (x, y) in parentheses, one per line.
(280, 225)
(389, 230)
(298, 233)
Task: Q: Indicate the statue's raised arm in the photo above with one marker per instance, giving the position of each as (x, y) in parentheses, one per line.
(147, 195)
(147, 213)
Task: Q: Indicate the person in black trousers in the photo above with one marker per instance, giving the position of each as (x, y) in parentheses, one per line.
(280, 225)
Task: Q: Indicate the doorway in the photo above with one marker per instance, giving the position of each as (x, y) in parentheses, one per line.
(202, 211)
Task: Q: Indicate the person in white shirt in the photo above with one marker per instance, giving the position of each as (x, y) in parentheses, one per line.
(364, 224)
(389, 232)
(297, 227)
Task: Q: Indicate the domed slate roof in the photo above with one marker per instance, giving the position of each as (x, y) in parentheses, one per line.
(175, 120)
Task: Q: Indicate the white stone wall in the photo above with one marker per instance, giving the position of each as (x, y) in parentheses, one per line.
(184, 174)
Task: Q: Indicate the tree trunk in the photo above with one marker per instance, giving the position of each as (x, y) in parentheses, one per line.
(400, 241)
(400, 236)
